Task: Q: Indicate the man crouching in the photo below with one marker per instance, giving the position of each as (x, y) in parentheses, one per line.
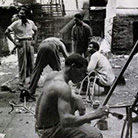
(55, 116)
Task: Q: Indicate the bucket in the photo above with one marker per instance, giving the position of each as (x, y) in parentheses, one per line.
(102, 124)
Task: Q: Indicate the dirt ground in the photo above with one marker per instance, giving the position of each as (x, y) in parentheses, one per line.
(123, 94)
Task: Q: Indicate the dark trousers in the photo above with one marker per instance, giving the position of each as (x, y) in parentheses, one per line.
(25, 60)
(44, 57)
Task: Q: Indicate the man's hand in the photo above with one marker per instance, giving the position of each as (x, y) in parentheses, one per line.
(17, 44)
(102, 111)
(79, 105)
(33, 42)
(13, 51)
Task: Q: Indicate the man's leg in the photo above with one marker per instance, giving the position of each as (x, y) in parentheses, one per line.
(54, 61)
(41, 63)
(84, 131)
(30, 59)
(106, 88)
(85, 83)
(91, 132)
(34, 79)
(21, 63)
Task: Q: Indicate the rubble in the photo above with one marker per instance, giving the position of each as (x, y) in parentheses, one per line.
(9, 59)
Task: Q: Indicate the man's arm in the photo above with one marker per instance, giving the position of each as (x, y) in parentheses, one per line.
(63, 50)
(72, 46)
(8, 34)
(13, 50)
(35, 29)
(89, 33)
(70, 120)
(72, 40)
(34, 37)
(77, 104)
(92, 64)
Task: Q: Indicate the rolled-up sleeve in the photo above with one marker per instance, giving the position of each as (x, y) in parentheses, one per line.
(12, 26)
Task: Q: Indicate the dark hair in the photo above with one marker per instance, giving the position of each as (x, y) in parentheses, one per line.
(77, 60)
(78, 16)
(25, 8)
(95, 45)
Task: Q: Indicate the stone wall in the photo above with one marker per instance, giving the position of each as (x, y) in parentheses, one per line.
(48, 27)
(122, 34)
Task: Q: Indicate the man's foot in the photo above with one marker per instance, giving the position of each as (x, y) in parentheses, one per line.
(20, 87)
(28, 99)
(26, 95)
(89, 100)
(34, 95)
(104, 93)
(121, 81)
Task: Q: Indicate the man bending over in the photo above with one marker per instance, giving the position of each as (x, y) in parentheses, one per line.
(48, 54)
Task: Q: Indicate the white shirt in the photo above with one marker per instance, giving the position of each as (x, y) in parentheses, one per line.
(101, 66)
(22, 31)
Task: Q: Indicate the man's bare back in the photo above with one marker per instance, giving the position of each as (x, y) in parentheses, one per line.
(56, 105)
(46, 111)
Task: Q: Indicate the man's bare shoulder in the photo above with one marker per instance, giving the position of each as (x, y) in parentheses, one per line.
(60, 85)
(55, 84)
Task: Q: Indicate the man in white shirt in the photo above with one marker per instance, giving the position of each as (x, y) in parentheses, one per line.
(100, 67)
(25, 36)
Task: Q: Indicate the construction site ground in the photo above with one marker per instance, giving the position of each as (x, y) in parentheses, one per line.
(21, 124)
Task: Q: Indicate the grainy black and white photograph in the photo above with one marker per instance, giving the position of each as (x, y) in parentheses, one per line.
(68, 69)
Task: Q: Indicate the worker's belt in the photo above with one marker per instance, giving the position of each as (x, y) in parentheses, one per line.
(23, 39)
(42, 128)
(47, 127)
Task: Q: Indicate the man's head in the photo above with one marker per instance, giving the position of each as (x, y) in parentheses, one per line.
(93, 47)
(23, 12)
(78, 19)
(77, 67)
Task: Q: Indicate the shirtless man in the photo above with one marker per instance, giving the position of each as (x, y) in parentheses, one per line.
(56, 106)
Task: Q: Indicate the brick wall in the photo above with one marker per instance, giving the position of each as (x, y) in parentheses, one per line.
(51, 26)
(122, 35)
